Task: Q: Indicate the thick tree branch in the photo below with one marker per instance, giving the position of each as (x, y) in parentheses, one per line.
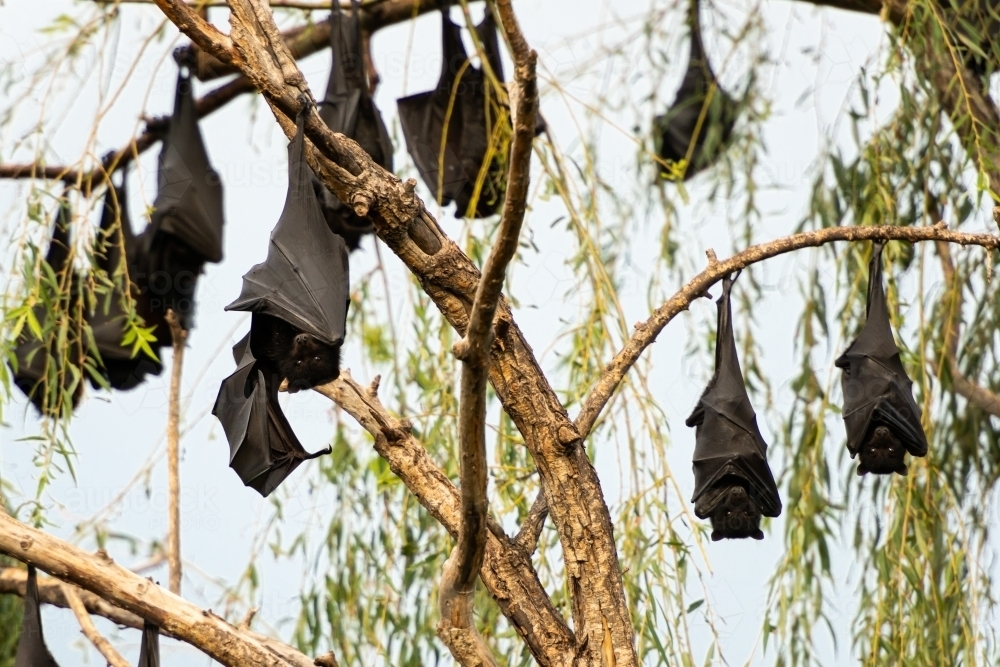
(103, 646)
(177, 617)
(458, 581)
(646, 332)
(582, 519)
(975, 394)
(506, 571)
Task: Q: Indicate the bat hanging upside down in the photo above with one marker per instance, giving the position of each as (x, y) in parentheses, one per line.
(301, 358)
(732, 509)
(881, 453)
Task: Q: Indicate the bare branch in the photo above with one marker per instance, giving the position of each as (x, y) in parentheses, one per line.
(197, 28)
(103, 646)
(176, 617)
(506, 571)
(646, 332)
(531, 529)
(179, 337)
(975, 394)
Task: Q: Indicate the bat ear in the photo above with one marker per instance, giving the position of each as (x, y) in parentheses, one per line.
(902, 470)
(758, 534)
(862, 470)
(716, 535)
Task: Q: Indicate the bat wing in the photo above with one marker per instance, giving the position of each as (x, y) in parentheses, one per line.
(728, 440)
(688, 127)
(31, 649)
(875, 385)
(189, 197)
(149, 650)
(304, 280)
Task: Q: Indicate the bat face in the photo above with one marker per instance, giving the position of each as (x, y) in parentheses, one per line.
(301, 358)
(736, 515)
(881, 453)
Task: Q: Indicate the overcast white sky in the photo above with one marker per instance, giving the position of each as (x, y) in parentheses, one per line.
(116, 434)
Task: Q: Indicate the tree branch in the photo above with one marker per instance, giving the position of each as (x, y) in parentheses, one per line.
(975, 394)
(179, 337)
(506, 571)
(600, 610)
(531, 528)
(103, 646)
(175, 616)
(458, 581)
(646, 332)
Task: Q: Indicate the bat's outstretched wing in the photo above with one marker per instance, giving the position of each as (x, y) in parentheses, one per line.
(31, 649)
(876, 388)
(149, 650)
(304, 280)
(728, 441)
(189, 198)
(699, 122)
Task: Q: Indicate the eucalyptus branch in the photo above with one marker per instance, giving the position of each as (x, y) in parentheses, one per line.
(646, 332)
(122, 588)
(582, 518)
(531, 528)
(179, 337)
(506, 571)
(102, 645)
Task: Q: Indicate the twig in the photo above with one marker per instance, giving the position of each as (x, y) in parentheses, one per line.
(179, 336)
(646, 332)
(316, 5)
(176, 617)
(103, 646)
(457, 595)
(531, 529)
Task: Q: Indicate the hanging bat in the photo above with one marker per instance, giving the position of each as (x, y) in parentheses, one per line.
(459, 109)
(263, 449)
(31, 649)
(690, 130)
(185, 230)
(734, 486)
(38, 366)
(149, 649)
(299, 295)
(348, 108)
(116, 243)
(881, 417)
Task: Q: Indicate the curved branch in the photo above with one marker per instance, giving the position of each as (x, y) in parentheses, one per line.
(102, 645)
(646, 332)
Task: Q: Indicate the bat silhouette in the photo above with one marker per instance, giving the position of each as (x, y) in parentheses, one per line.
(115, 244)
(462, 110)
(263, 449)
(31, 649)
(299, 295)
(734, 486)
(149, 649)
(39, 365)
(882, 419)
(185, 230)
(348, 108)
(698, 124)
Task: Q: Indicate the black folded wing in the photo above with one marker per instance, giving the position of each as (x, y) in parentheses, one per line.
(448, 129)
(728, 441)
(304, 280)
(31, 649)
(115, 246)
(263, 449)
(349, 109)
(701, 119)
(877, 390)
(149, 650)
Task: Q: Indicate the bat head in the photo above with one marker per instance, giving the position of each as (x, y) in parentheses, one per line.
(881, 453)
(737, 515)
(310, 362)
